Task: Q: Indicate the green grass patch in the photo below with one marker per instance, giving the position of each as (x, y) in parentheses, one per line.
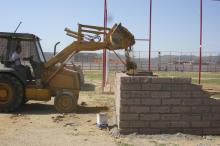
(210, 78)
(207, 77)
(93, 75)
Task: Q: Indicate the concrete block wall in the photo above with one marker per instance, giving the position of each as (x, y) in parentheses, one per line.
(154, 105)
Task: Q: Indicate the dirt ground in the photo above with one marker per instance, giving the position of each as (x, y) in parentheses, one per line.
(38, 124)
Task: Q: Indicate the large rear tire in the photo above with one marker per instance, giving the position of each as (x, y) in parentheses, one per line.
(65, 102)
(13, 93)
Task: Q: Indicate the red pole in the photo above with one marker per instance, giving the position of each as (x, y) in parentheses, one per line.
(104, 50)
(200, 49)
(149, 61)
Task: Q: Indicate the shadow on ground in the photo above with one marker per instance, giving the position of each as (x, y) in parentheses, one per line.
(45, 109)
(91, 110)
(37, 108)
(88, 87)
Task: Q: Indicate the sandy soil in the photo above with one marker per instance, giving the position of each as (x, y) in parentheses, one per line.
(38, 124)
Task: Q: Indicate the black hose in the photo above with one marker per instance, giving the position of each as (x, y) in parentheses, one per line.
(55, 48)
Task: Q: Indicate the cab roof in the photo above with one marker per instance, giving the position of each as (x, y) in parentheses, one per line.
(22, 36)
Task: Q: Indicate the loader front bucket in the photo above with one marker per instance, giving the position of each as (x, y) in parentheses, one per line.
(119, 38)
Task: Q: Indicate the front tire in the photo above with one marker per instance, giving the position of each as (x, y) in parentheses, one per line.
(13, 93)
(65, 102)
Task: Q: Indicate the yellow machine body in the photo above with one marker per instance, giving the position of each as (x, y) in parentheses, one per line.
(57, 77)
(37, 94)
(54, 78)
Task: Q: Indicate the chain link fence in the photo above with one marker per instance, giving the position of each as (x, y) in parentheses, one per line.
(160, 61)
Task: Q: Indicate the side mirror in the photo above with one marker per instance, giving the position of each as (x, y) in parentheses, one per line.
(55, 48)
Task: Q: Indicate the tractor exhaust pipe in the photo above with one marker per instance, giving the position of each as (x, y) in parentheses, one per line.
(55, 48)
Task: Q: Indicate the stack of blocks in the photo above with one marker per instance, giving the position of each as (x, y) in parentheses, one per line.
(155, 105)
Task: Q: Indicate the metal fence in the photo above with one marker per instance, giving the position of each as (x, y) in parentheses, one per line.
(160, 61)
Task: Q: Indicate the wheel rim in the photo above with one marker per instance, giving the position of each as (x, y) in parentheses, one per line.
(5, 92)
(65, 102)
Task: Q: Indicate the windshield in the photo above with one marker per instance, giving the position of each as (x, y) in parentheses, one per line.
(40, 52)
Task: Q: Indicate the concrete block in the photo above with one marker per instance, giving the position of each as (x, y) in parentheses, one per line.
(211, 101)
(180, 109)
(215, 109)
(135, 80)
(131, 87)
(186, 87)
(151, 105)
(181, 94)
(160, 94)
(125, 80)
(200, 94)
(171, 101)
(151, 87)
(139, 109)
(146, 87)
(161, 80)
(130, 101)
(191, 117)
(129, 117)
(159, 109)
(210, 116)
(159, 124)
(139, 124)
(192, 101)
(193, 131)
(170, 117)
(135, 94)
(150, 117)
(145, 80)
(124, 109)
(166, 87)
(177, 80)
(128, 131)
(200, 124)
(211, 131)
(142, 94)
(200, 109)
(215, 124)
(149, 131)
(124, 94)
(171, 130)
(151, 101)
(179, 124)
(124, 124)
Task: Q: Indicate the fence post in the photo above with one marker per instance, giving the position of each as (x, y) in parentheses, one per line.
(99, 64)
(82, 62)
(90, 64)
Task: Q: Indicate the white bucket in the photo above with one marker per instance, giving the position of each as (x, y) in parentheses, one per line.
(102, 120)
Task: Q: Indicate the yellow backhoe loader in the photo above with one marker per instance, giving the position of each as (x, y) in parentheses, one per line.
(51, 78)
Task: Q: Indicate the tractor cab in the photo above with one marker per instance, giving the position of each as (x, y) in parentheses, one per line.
(30, 47)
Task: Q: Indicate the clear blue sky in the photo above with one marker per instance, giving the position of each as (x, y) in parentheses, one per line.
(175, 22)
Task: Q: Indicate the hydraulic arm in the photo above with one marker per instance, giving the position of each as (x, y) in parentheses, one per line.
(92, 38)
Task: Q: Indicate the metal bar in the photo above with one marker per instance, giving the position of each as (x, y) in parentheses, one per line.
(72, 35)
(104, 49)
(149, 61)
(70, 31)
(119, 58)
(142, 40)
(200, 49)
(17, 27)
(59, 68)
(94, 32)
(95, 27)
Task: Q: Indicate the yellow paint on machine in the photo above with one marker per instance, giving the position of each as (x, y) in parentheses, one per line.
(3, 94)
(37, 94)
